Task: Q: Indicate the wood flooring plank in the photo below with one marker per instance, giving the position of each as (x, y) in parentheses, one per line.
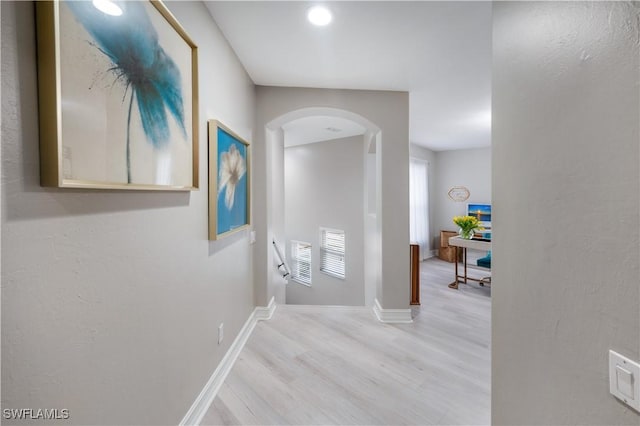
(248, 406)
(219, 414)
(312, 365)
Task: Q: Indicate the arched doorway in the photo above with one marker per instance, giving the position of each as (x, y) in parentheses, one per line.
(384, 116)
(329, 193)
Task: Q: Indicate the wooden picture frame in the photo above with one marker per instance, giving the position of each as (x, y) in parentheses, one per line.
(229, 181)
(118, 97)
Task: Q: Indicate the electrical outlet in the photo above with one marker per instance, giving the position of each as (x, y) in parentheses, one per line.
(220, 332)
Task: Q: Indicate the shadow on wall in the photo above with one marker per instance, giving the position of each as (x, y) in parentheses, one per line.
(222, 244)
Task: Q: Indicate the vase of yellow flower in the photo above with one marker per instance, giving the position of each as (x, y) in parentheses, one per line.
(467, 224)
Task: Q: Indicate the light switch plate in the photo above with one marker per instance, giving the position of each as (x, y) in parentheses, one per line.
(624, 379)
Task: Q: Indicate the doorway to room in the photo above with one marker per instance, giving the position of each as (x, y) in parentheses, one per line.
(328, 215)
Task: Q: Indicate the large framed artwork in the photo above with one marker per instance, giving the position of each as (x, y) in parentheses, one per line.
(229, 181)
(118, 96)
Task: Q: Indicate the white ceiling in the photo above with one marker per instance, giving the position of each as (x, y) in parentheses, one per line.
(440, 52)
(319, 128)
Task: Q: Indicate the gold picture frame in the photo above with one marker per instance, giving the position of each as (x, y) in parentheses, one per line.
(118, 97)
(229, 181)
(459, 193)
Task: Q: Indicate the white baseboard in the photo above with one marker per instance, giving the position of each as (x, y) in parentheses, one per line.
(208, 394)
(430, 253)
(392, 316)
(265, 312)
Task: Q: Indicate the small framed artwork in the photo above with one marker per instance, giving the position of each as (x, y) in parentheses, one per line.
(459, 193)
(118, 96)
(229, 182)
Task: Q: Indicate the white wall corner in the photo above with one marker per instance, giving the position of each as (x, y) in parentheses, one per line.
(392, 316)
(202, 403)
(266, 312)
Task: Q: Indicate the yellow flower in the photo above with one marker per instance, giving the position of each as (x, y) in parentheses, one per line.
(467, 223)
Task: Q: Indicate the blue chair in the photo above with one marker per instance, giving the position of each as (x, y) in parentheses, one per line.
(485, 261)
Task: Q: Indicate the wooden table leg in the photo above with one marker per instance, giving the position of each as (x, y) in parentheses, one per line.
(465, 264)
(454, 284)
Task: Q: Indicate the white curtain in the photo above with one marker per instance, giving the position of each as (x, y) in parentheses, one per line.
(419, 206)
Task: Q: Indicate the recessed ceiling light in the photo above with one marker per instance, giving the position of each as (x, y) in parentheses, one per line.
(319, 16)
(333, 129)
(108, 7)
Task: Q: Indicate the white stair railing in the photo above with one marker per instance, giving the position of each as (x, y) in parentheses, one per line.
(282, 265)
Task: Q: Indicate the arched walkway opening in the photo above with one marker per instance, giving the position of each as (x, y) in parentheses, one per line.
(323, 174)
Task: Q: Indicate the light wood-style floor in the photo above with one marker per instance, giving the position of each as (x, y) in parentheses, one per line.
(313, 365)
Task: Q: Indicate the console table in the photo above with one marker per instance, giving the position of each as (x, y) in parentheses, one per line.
(461, 243)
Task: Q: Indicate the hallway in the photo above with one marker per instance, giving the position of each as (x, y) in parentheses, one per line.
(338, 365)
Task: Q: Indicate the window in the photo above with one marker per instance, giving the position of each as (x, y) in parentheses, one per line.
(332, 251)
(301, 262)
(419, 206)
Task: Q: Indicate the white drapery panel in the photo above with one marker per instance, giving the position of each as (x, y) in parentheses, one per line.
(419, 206)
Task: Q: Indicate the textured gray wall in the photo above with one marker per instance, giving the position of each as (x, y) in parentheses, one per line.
(566, 188)
(111, 300)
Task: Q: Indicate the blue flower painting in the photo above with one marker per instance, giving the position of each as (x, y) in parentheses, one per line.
(150, 77)
(232, 202)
